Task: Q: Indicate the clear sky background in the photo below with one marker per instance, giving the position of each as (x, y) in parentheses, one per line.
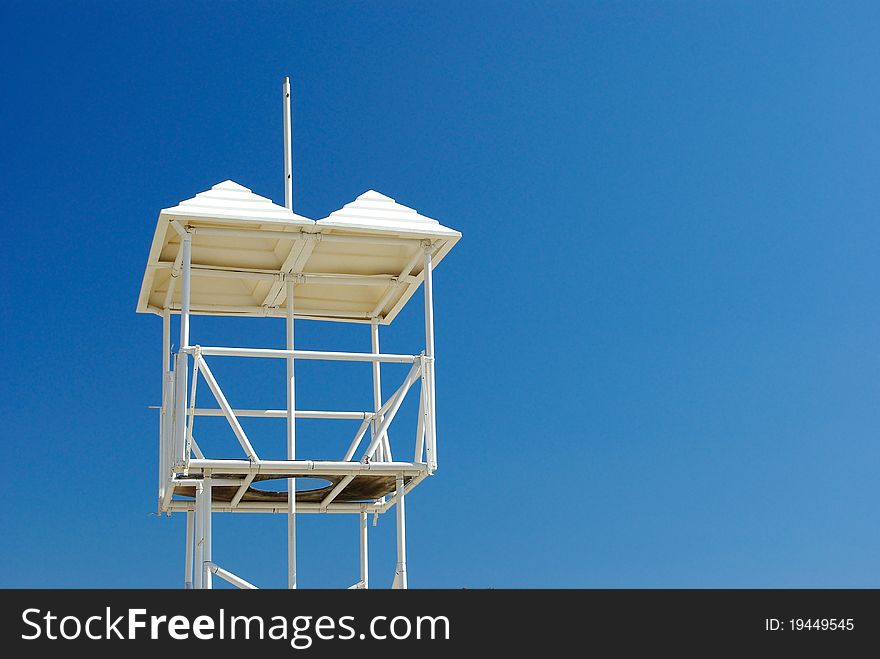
(657, 341)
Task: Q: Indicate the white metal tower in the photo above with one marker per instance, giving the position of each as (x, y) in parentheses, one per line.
(230, 252)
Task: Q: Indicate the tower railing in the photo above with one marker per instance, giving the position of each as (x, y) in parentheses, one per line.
(182, 453)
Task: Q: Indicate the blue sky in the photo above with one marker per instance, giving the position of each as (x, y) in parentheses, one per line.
(657, 340)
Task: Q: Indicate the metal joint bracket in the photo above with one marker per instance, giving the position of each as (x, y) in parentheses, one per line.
(185, 232)
(182, 231)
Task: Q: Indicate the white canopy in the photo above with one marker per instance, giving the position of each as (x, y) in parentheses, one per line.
(363, 261)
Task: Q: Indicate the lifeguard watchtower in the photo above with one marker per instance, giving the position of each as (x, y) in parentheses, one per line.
(230, 252)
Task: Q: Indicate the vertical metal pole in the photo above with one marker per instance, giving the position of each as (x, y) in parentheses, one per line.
(186, 268)
(182, 363)
(199, 542)
(291, 446)
(291, 389)
(420, 425)
(206, 529)
(400, 573)
(288, 153)
(165, 414)
(188, 564)
(430, 399)
(169, 430)
(166, 342)
(365, 556)
(384, 451)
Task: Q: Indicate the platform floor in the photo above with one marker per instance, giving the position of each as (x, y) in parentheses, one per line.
(362, 488)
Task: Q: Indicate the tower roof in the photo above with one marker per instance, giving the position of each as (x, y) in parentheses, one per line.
(361, 262)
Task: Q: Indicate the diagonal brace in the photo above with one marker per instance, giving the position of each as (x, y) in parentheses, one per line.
(227, 409)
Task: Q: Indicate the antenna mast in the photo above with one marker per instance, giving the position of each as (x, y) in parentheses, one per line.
(288, 154)
(291, 387)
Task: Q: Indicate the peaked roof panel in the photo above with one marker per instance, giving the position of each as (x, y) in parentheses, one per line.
(230, 201)
(374, 211)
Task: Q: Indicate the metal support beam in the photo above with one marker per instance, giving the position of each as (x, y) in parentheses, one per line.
(182, 363)
(185, 282)
(319, 355)
(165, 413)
(311, 233)
(195, 447)
(188, 553)
(327, 278)
(421, 423)
(175, 274)
(365, 557)
(292, 469)
(332, 494)
(240, 492)
(227, 576)
(268, 311)
(404, 274)
(226, 407)
(358, 436)
(393, 405)
(282, 414)
(291, 444)
(207, 532)
(189, 441)
(182, 505)
(384, 452)
(215, 482)
(430, 400)
(400, 572)
(199, 540)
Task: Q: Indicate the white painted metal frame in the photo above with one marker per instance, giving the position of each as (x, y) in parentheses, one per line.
(182, 463)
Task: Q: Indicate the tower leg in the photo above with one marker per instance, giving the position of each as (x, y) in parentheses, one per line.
(180, 367)
(199, 540)
(383, 453)
(430, 398)
(400, 573)
(207, 576)
(365, 560)
(188, 564)
(291, 444)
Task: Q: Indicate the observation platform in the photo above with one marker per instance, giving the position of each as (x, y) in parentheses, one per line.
(365, 488)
